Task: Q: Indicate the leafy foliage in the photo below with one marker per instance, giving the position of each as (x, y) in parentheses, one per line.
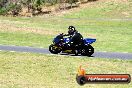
(15, 6)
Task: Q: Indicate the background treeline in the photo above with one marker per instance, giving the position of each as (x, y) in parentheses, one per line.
(15, 7)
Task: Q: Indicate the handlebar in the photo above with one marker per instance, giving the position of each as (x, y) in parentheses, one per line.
(64, 34)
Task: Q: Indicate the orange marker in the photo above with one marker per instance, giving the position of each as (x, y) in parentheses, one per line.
(81, 71)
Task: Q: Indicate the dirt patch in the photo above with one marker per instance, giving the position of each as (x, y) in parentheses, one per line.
(11, 28)
(127, 14)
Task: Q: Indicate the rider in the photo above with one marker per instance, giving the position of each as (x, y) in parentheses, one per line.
(75, 37)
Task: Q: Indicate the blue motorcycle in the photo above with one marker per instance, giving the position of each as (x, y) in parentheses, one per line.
(83, 48)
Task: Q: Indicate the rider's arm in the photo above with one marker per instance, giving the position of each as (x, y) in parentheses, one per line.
(66, 35)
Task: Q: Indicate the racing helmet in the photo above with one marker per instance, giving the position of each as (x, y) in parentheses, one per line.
(71, 30)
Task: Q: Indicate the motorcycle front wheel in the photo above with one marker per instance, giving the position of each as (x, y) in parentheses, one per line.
(54, 49)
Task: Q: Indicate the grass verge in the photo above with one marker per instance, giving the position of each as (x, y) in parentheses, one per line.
(25, 70)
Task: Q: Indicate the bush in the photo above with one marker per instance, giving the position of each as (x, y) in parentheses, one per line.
(17, 9)
(5, 10)
(34, 6)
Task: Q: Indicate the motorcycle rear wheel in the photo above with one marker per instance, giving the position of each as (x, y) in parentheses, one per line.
(87, 50)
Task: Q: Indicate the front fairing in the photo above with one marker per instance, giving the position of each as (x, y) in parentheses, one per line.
(57, 39)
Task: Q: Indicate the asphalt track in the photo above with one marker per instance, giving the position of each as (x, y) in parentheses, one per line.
(45, 51)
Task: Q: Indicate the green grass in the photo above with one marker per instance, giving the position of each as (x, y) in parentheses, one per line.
(95, 22)
(115, 34)
(106, 9)
(25, 39)
(25, 70)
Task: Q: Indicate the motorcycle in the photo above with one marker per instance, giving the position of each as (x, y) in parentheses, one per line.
(85, 48)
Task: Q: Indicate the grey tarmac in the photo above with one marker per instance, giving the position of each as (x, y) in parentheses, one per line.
(97, 54)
